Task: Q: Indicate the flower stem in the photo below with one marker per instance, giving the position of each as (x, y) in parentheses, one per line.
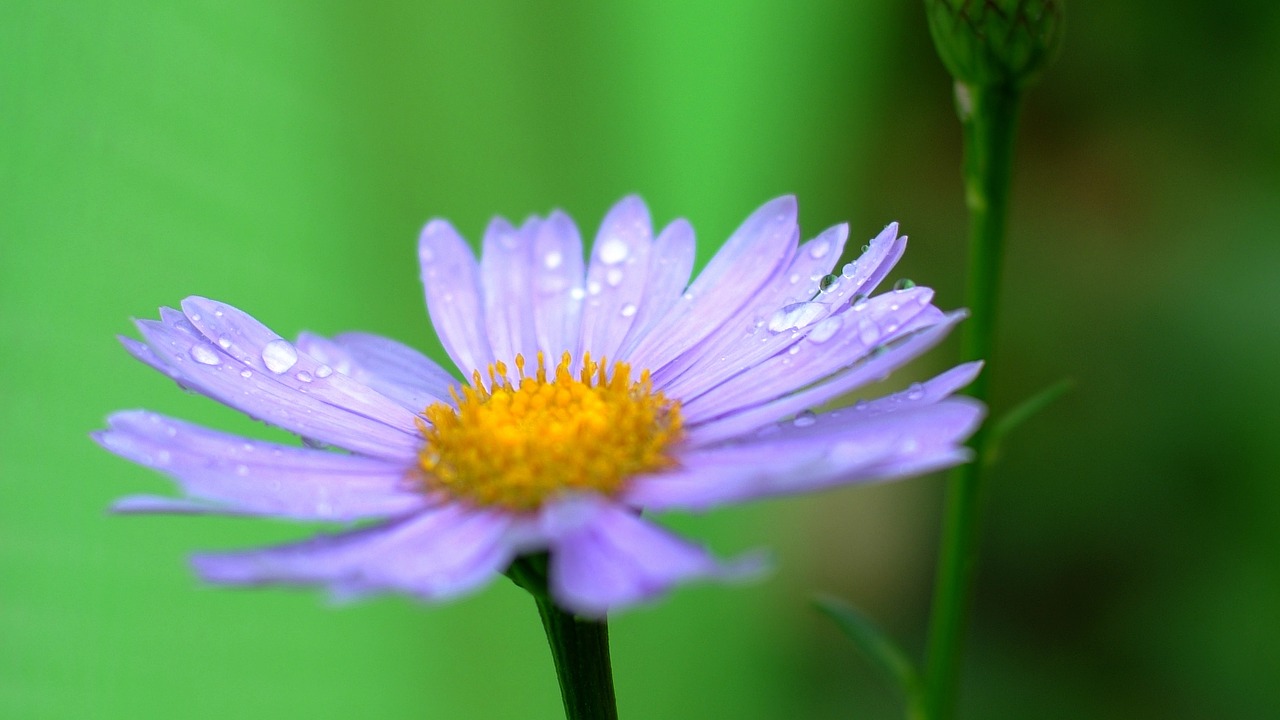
(579, 647)
(988, 116)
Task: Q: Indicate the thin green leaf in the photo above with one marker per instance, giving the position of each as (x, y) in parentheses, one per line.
(878, 647)
(1025, 411)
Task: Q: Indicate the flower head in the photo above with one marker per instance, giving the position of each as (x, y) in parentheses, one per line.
(592, 394)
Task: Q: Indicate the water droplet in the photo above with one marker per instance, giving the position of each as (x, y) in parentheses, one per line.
(629, 309)
(868, 332)
(795, 278)
(823, 331)
(687, 295)
(246, 373)
(324, 371)
(594, 287)
(805, 419)
(204, 354)
(577, 293)
(195, 318)
(304, 376)
(818, 249)
(796, 315)
(850, 269)
(279, 355)
(224, 342)
(613, 250)
(866, 248)
(425, 254)
(828, 283)
(553, 259)
(903, 284)
(915, 392)
(858, 301)
(793, 350)
(613, 277)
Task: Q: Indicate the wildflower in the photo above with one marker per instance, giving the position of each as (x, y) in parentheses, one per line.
(593, 394)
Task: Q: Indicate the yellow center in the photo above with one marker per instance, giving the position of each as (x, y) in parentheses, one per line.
(515, 444)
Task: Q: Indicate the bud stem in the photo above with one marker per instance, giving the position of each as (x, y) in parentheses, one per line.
(988, 117)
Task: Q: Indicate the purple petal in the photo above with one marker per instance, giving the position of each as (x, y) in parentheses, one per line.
(821, 452)
(243, 476)
(762, 245)
(871, 369)
(618, 559)
(925, 393)
(616, 277)
(451, 280)
(670, 264)
(401, 373)
(747, 339)
(334, 410)
(435, 554)
(863, 275)
(816, 351)
(506, 273)
(557, 286)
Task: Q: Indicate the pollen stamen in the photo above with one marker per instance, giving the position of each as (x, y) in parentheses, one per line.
(516, 445)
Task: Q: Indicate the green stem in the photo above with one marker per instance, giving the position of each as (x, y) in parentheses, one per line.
(988, 117)
(579, 647)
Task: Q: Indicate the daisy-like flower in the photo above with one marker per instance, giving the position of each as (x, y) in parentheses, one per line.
(594, 392)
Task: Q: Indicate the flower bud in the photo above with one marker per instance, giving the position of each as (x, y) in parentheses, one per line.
(996, 42)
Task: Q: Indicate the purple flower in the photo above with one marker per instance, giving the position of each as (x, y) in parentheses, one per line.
(594, 393)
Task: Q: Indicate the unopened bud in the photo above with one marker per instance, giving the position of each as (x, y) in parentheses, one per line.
(995, 42)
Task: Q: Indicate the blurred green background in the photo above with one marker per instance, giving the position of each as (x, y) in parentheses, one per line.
(282, 157)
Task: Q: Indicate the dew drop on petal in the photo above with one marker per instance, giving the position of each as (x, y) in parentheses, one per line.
(613, 277)
(858, 301)
(903, 284)
(246, 373)
(818, 250)
(823, 331)
(868, 332)
(793, 350)
(593, 287)
(796, 315)
(850, 269)
(795, 278)
(224, 342)
(324, 371)
(805, 419)
(279, 355)
(628, 310)
(828, 283)
(915, 392)
(553, 259)
(204, 354)
(577, 293)
(612, 251)
(866, 248)
(304, 376)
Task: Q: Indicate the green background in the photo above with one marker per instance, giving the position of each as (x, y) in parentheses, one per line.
(282, 156)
